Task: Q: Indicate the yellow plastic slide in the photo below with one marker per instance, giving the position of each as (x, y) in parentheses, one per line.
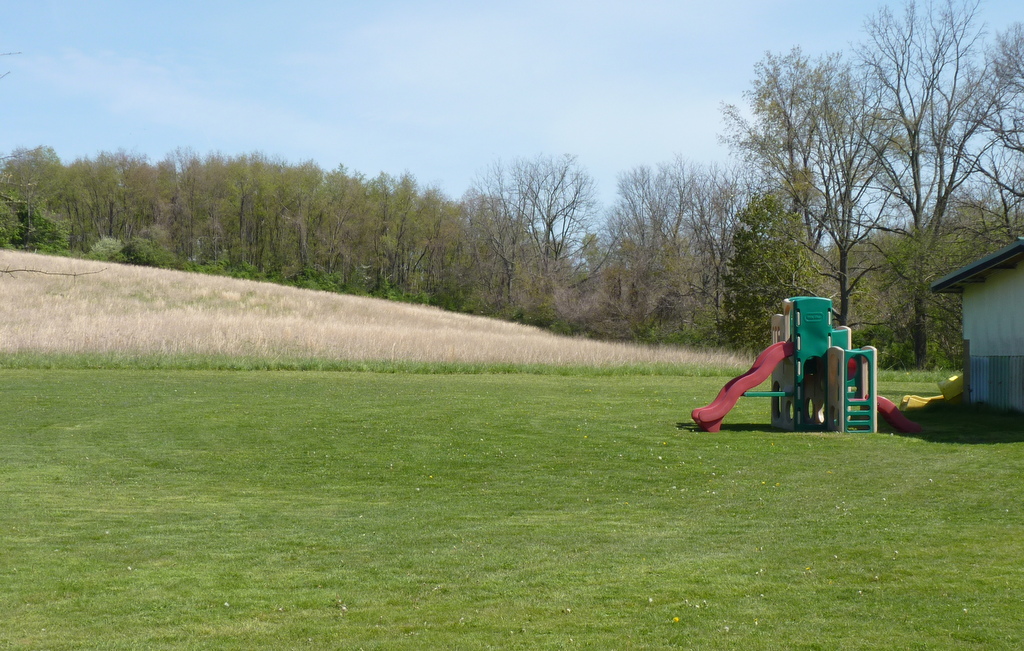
(952, 392)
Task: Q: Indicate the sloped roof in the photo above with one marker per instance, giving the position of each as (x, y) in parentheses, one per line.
(1007, 257)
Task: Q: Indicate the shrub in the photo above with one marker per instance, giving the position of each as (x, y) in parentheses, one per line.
(147, 253)
(107, 248)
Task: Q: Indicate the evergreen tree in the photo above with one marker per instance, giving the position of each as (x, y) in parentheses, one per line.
(769, 264)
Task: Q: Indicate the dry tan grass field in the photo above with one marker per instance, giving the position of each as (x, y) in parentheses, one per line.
(112, 308)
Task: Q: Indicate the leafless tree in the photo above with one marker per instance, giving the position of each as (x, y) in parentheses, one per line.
(1008, 67)
(1002, 204)
(931, 94)
(496, 221)
(671, 229)
(533, 216)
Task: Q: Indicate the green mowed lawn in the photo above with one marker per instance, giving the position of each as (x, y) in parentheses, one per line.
(204, 509)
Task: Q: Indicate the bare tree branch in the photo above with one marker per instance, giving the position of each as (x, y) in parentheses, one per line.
(10, 272)
(7, 54)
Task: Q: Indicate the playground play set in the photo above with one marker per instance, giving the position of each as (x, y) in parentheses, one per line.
(818, 383)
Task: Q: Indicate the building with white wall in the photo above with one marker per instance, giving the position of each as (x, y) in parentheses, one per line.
(993, 309)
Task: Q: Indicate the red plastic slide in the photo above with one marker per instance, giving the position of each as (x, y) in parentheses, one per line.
(891, 413)
(710, 418)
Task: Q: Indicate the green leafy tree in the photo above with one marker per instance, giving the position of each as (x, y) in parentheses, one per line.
(811, 137)
(28, 177)
(37, 231)
(8, 226)
(769, 264)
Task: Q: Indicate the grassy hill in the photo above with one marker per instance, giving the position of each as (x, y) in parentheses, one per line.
(125, 311)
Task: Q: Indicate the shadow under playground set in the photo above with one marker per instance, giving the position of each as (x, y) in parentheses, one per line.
(818, 383)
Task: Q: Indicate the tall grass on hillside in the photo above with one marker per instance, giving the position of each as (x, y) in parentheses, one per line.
(126, 310)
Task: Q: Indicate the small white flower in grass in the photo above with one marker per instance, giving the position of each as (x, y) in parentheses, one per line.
(227, 605)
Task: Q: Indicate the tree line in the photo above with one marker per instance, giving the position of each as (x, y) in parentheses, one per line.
(859, 176)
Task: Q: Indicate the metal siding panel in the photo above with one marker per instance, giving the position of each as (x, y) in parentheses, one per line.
(1017, 389)
(997, 372)
(1013, 380)
(1011, 383)
(998, 382)
(979, 380)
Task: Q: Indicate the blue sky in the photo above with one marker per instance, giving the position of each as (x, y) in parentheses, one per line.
(437, 88)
